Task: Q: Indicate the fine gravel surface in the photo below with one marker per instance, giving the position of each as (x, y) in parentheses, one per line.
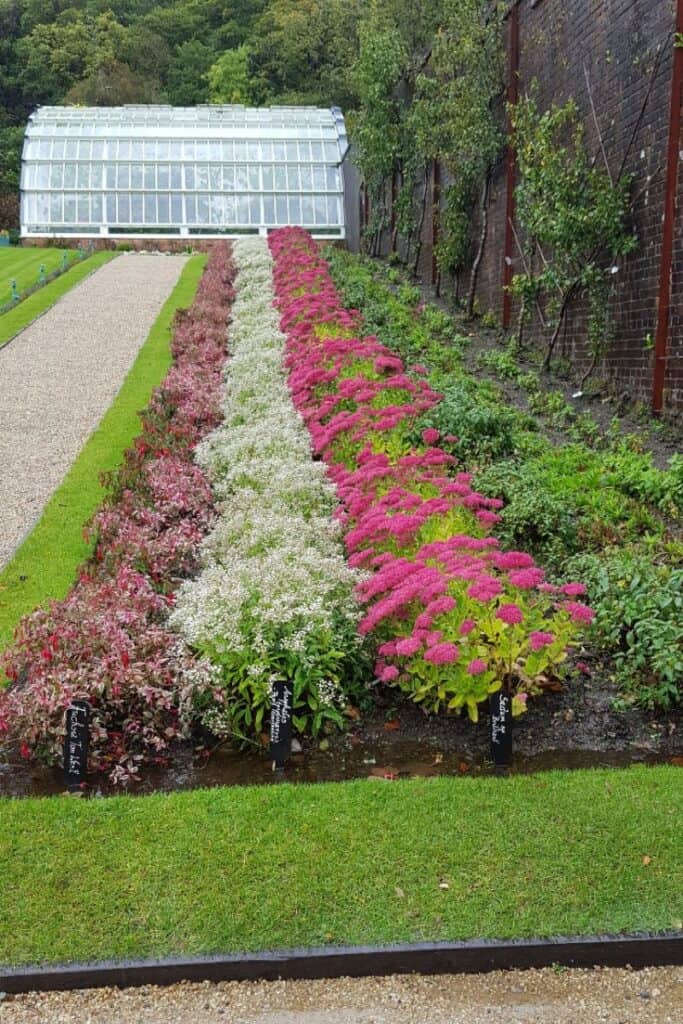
(59, 376)
(599, 996)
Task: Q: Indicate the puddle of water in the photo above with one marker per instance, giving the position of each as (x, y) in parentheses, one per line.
(397, 760)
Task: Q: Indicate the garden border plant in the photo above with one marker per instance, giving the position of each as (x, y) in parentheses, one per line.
(107, 641)
(456, 619)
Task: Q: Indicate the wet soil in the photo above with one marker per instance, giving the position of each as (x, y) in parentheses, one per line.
(576, 727)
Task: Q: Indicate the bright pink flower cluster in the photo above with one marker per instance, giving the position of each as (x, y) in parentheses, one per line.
(406, 513)
(107, 641)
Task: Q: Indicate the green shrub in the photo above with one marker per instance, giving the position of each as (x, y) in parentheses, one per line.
(484, 432)
(638, 606)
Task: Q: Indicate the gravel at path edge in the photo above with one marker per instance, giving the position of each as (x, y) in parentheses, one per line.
(59, 376)
(599, 996)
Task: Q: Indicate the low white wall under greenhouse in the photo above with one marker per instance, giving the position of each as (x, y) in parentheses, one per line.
(182, 172)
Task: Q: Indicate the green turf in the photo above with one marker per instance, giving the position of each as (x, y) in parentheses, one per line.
(23, 265)
(28, 309)
(357, 862)
(45, 564)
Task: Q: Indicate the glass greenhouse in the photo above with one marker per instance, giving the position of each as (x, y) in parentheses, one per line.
(159, 171)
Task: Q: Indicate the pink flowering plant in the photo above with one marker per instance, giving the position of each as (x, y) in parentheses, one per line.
(454, 618)
(108, 641)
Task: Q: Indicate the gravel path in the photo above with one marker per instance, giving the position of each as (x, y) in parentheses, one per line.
(600, 996)
(59, 376)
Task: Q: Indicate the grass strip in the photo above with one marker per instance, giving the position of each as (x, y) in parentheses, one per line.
(45, 565)
(23, 265)
(268, 867)
(26, 311)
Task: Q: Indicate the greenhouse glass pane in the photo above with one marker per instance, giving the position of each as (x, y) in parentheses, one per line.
(177, 215)
(41, 175)
(110, 176)
(332, 152)
(242, 209)
(316, 151)
(176, 176)
(56, 208)
(58, 149)
(240, 178)
(150, 176)
(333, 179)
(295, 209)
(230, 210)
(123, 216)
(96, 208)
(240, 149)
(41, 213)
(83, 209)
(320, 209)
(96, 175)
(123, 176)
(228, 151)
(215, 178)
(268, 209)
(110, 207)
(44, 147)
(254, 178)
(136, 208)
(124, 149)
(254, 209)
(176, 150)
(69, 209)
(150, 149)
(306, 210)
(136, 176)
(163, 149)
(267, 176)
(163, 176)
(189, 176)
(83, 176)
(215, 149)
(291, 151)
(280, 177)
(150, 209)
(306, 178)
(281, 209)
(164, 209)
(69, 175)
(293, 178)
(190, 209)
(202, 172)
(279, 151)
(97, 149)
(318, 177)
(202, 149)
(266, 150)
(254, 151)
(332, 210)
(136, 149)
(202, 209)
(188, 150)
(71, 151)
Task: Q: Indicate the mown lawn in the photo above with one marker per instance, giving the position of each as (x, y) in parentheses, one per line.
(23, 265)
(45, 565)
(24, 312)
(357, 862)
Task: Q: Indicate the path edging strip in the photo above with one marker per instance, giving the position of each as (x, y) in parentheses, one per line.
(467, 957)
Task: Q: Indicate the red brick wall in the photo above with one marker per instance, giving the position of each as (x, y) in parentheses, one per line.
(617, 41)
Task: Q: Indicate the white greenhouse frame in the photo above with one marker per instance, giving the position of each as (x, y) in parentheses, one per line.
(165, 172)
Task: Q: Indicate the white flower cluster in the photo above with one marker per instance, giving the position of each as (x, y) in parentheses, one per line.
(275, 581)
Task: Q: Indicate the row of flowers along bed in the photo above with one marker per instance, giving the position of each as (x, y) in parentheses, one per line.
(109, 641)
(455, 618)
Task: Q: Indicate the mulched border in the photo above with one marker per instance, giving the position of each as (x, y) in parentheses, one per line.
(470, 957)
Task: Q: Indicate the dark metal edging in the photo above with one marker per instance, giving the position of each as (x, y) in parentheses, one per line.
(477, 956)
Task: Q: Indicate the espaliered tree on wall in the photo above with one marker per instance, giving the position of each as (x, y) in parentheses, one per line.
(573, 214)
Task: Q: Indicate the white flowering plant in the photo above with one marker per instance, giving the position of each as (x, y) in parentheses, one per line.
(275, 599)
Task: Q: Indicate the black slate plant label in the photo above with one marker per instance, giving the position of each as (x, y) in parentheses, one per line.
(500, 704)
(76, 743)
(280, 723)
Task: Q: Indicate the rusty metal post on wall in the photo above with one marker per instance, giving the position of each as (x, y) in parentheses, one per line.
(669, 221)
(436, 200)
(394, 193)
(511, 159)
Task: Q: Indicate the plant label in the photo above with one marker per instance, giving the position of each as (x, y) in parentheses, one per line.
(280, 724)
(76, 744)
(500, 704)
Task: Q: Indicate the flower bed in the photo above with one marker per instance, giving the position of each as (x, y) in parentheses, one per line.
(275, 599)
(108, 641)
(455, 618)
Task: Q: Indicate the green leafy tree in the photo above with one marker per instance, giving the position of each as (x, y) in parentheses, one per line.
(228, 79)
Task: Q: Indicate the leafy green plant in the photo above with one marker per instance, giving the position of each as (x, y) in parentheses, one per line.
(639, 612)
(573, 213)
(482, 432)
